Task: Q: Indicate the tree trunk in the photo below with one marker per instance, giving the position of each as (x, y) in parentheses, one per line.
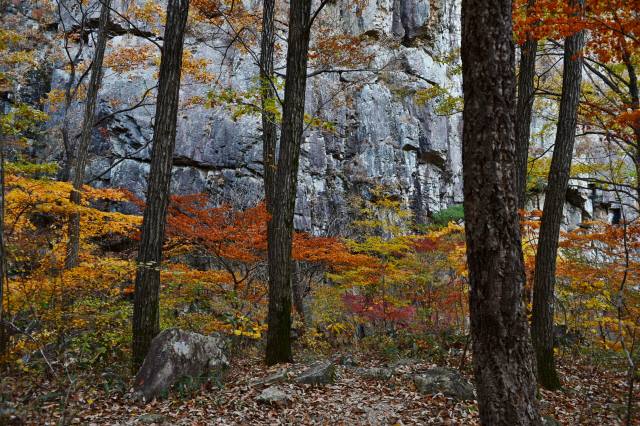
(3, 254)
(280, 227)
(635, 104)
(70, 88)
(269, 128)
(146, 323)
(526, 91)
(502, 355)
(544, 282)
(73, 248)
(298, 297)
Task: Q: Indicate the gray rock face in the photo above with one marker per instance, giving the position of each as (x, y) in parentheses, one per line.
(317, 374)
(273, 395)
(446, 380)
(384, 137)
(175, 353)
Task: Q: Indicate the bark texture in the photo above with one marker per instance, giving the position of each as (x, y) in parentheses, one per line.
(502, 355)
(146, 323)
(3, 260)
(545, 274)
(280, 227)
(524, 107)
(269, 129)
(73, 248)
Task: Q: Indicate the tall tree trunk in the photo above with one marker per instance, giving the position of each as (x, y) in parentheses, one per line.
(524, 107)
(146, 316)
(3, 253)
(502, 355)
(280, 227)
(73, 248)
(269, 128)
(544, 282)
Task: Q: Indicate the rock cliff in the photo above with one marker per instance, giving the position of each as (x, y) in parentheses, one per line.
(383, 135)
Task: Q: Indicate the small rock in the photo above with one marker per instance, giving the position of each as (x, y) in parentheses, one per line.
(383, 374)
(550, 421)
(148, 419)
(274, 378)
(273, 394)
(346, 360)
(318, 374)
(446, 380)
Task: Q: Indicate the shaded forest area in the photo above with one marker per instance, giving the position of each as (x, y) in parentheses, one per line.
(496, 311)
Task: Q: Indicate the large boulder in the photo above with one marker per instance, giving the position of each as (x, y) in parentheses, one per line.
(446, 380)
(175, 354)
(318, 374)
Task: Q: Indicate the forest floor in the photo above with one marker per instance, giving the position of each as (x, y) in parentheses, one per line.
(591, 396)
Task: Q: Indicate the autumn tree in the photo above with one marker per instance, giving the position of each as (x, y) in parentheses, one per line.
(14, 62)
(610, 109)
(87, 130)
(502, 354)
(280, 227)
(146, 321)
(556, 194)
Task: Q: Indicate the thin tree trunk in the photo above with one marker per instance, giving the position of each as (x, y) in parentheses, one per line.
(635, 104)
(502, 355)
(544, 282)
(296, 277)
(146, 316)
(3, 255)
(280, 227)
(269, 129)
(69, 147)
(73, 248)
(524, 107)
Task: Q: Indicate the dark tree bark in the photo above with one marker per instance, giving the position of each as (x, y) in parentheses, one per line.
(269, 128)
(502, 355)
(3, 253)
(545, 274)
(635, 104)
(280, 227)
(146, 324)
(524, 107)
(73, 248)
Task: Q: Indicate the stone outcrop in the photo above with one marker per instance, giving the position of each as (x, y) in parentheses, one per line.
(175, 354)
(317, 374)
(446, 380)
(383, 135)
